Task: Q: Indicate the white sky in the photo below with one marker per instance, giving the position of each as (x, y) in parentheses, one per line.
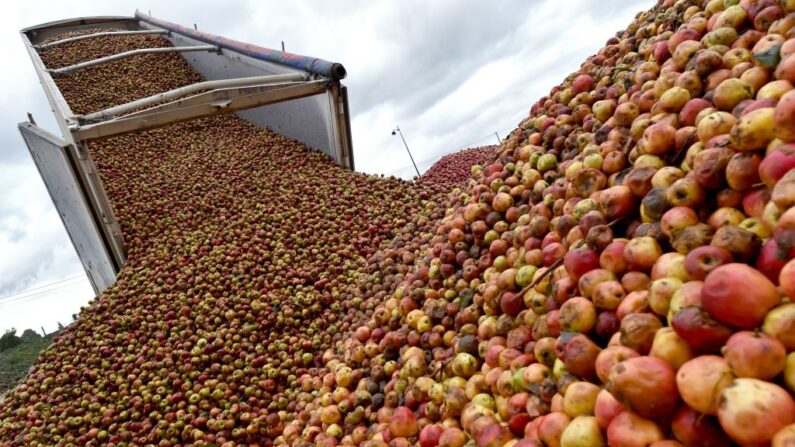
(450, 73)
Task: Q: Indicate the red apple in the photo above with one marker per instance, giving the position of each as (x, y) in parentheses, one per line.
(403, 423)
(683, 34)
(695, 429)
(771, 260)
(612, 257)
(493, 435)
(579, 355)
(590, 280)
(786, 279)
(710, 165)
(738, 295)
(777, 163)
(611, 356)
(628, 429)
(582, 83)
(617, 202)
(783, 125)
(636, 301)
(518, 422)
(755, 355)
(607, 295)
(607, 407)
(659, 138)
(702, 260)
(429, 436)
(551, 428)
(783, 194)
(754, 202)
(742, 172)
(452, 437)
(607, 324)
(580, 261)
(699, 329)
(687, 116)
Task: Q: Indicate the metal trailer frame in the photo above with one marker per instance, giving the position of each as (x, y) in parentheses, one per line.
(269, 88)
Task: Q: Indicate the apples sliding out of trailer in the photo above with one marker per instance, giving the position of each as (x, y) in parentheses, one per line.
(297, 96)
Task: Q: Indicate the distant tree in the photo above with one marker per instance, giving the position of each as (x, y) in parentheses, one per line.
(29, 335)
(60, 326)
(9, 340)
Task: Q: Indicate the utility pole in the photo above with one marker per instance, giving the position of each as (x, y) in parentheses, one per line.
(397, 130)
(499, 140)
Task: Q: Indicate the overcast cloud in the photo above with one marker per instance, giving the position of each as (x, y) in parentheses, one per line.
(450, 73)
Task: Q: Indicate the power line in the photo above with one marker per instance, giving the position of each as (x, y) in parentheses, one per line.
(38, 290)
(31, 296)
(47, 285)
(457, 148)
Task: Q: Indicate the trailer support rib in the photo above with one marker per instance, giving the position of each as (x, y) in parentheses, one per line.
(47, 46)
(157, 118)
(102, 60)
(115, 111)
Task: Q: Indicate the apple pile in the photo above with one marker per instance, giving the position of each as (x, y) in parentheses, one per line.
(455, 169)
(96, 88)
(622, 275)
(249, 254)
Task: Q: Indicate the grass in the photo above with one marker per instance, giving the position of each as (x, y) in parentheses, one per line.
(15, 362)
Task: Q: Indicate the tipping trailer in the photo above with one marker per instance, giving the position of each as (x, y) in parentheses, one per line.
(297, 96)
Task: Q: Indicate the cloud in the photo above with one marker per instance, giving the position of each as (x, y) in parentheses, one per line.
(450, 73)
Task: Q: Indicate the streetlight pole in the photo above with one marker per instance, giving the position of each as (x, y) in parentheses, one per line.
(397, 130)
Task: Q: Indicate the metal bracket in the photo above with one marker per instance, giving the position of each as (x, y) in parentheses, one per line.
(116, 111)
(167, 114)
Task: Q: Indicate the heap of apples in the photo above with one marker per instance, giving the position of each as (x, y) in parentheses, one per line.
(248, 255)
(623, 275)
(456, 168)
(620, 274)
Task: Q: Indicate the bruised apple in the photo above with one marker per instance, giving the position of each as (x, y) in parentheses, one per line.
(628, 429)
(755, 355)
(701, 380)
(611, 356)
(752, 411)
(647, 385)
(699, 330)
